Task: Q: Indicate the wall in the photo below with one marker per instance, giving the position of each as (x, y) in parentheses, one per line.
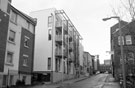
(43, 47)
(3, 37)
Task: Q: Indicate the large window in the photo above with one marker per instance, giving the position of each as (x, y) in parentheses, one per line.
(119, 40)
(12, 36)
(49, 63)
(13, 17)
(50, 21)
(9, 57)
(128, 39)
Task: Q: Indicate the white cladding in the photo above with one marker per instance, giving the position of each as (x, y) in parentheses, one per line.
(43, 46)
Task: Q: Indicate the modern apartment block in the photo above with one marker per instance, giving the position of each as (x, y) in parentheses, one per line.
(17, 47)
(56, 46)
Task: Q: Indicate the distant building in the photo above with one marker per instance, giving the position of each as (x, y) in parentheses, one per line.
(87, 64)
(96, 63)
(107, 62)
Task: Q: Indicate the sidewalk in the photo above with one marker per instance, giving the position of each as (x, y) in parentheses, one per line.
(110, 83)
(56, 85)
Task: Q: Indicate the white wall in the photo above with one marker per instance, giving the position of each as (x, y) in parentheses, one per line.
(43, 47)
(81, 50)
(13, 47)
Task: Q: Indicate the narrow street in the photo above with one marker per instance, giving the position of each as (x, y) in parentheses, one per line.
(96, 81)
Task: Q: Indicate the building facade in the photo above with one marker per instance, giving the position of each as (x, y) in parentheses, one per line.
(56, 46)
(128, 43)
(4, 22)
(87, 64)
(19, 48)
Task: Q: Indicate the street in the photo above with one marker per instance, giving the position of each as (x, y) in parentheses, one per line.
(96, 81)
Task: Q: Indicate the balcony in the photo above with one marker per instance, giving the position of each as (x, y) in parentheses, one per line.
(58, 24)
(58, 38)
(58, 52)
(71, 46)
(71, 57)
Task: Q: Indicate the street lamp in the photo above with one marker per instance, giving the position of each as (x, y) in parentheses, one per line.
(121, 48)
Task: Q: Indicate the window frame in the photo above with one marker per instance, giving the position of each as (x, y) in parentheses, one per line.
(49, 63)
(25, 57)
(128, 41)
(10, 38)
(122, 40)
(50, 34)
(12, 56)
(50, 21)
(13, 17)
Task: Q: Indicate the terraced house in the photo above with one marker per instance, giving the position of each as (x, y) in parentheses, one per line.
(56, 46)
(17, 33)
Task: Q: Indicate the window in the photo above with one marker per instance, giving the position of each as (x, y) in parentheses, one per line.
(119, 40)
(49, 34)
(128, 40)
(25, 60)
(49, 63)
(26, 41)
(28, 24)
(130, 57)
(13, 17)
(50, 21)
(10, 57)
(12, 36)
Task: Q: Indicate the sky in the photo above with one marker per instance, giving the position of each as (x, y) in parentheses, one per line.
(86, 15)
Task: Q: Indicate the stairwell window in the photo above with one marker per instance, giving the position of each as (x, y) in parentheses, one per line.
(49, 63)
(128, 39)
(120, 41)
(50, 21)
(26, 41)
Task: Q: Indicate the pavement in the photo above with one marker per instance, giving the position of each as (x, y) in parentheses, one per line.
(110, 82)
(56, 85)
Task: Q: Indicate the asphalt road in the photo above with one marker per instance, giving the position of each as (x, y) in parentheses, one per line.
(96, 81)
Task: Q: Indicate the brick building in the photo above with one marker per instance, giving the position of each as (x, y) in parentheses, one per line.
(128, 41)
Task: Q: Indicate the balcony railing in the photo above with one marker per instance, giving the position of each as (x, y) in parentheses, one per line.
(58, 38)
(58, 24)
(58, 52)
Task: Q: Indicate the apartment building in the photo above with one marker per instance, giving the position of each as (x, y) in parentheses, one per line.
(4, 22)
(87, 64)
(17, 53)
(56, 46)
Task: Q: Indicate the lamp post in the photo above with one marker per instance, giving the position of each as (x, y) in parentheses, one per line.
(121, 48)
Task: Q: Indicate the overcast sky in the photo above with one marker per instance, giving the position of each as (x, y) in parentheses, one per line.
(86, 15)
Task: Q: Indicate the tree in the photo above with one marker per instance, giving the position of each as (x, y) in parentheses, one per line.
(126, 8)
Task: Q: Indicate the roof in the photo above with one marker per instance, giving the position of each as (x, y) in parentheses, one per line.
(25, 16)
